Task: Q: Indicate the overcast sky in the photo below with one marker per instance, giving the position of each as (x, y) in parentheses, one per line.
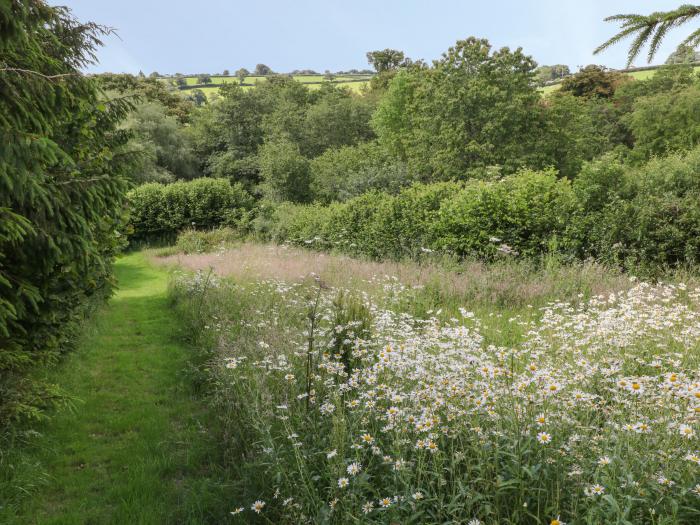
(193, 36)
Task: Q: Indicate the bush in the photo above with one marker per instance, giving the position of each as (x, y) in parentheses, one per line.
(342, 173)
(646, 216)
(524, 213)
(404, 226)
(528, 212)
(162, 210)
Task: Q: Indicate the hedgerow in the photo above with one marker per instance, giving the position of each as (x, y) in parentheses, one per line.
(163, 210)
(643, 217)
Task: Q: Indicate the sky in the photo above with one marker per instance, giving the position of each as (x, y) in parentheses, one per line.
(208, 36)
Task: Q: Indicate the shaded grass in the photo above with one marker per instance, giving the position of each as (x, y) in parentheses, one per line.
(132, 449)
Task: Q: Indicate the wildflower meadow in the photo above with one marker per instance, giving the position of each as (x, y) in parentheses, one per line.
(341, 406)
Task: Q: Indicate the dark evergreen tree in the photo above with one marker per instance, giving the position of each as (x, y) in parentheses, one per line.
(61, 194)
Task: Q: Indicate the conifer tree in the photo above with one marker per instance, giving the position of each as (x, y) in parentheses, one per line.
(62, 190)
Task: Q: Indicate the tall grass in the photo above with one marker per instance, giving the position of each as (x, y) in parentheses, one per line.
(347, 397)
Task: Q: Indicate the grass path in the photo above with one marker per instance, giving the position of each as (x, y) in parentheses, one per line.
(132, 451)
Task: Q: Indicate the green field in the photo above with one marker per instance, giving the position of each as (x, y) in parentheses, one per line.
(254, 79)
(349, 81)
(353, 82)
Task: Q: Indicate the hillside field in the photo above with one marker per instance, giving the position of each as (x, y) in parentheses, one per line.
(353, 82)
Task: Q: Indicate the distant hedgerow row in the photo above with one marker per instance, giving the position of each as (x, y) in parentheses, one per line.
(645, 216)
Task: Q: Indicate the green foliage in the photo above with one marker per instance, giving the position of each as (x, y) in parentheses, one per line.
(163, 210)
(149, 90)
(387, 60)
(594, 82)
(545, 74)
(474, 108)
(684, 54)
(574, 130)
(262, 70)
(405, 226)
(62, 189)
(284, 171)
(346, 172)
(645, 217)
(524, 214)
(666, 122)
(336, 119)
(241, 74)
(166, 151)
(197, 97)
(226, 135)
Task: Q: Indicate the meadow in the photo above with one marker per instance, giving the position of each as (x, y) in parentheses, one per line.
(442, 298)
(353, 391)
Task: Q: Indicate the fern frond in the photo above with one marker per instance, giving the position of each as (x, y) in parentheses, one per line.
(650, 29)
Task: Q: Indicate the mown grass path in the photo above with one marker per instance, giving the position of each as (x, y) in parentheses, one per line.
(132, 451)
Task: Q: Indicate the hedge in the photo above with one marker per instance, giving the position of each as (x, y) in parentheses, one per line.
(646, 218)
(162, 210)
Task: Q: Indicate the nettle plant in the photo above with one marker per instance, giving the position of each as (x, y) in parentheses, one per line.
(338, 407)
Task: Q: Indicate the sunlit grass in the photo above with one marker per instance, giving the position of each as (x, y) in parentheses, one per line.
(132, 448)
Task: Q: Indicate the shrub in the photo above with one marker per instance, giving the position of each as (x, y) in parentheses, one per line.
(525, 212)
(342, 173)
(162, 210)
(645, 216)
(404, 225)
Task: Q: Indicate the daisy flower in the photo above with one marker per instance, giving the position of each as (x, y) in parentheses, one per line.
(544, 438)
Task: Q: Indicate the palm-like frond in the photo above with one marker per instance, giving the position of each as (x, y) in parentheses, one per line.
(650, 29)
